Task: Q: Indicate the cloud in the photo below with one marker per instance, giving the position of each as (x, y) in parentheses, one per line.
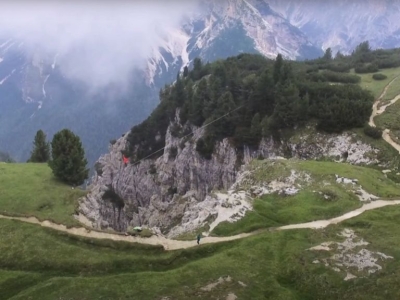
(97, 42)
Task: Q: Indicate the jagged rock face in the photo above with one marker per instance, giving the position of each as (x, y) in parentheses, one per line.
(159, 193)
(342, 25)
(152, 190)
(219, 29)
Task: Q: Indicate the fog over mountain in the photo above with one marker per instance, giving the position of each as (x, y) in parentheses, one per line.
(96, 42)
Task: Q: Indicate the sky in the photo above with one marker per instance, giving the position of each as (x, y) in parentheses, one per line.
(97, 42)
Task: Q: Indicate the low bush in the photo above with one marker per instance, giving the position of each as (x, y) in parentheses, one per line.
(379, 76)
(374, 132)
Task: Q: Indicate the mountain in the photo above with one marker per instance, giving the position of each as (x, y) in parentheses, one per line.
(36, 93)
(342, 25)
(226, 28)
(190, 148)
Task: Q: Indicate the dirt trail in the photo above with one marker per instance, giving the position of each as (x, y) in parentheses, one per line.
(378, 111)
(346, 216)
(375, 110)
(154, 240)
(174, 244)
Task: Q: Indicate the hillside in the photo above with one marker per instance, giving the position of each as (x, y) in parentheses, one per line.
(218, 116)
(42, 263)
(31, 190)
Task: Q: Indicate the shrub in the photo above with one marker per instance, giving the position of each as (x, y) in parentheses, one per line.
(379, 76)
(173, 152)
(205, 146)
(366, 68)
(112, 142)
(374, 132)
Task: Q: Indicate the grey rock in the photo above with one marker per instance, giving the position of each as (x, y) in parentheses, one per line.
(160, 199)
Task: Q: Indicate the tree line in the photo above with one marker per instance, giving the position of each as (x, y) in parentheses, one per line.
(65, 156)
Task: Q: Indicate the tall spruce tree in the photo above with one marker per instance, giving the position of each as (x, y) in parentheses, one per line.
(69, 162)
(41, 148)
(278, 68)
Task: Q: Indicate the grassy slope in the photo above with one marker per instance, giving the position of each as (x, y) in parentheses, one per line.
(273, 265)
(377, 86)
(30, 189)
(307, 205)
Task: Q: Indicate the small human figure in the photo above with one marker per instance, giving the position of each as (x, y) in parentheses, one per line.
(198, 238)
(125, 159)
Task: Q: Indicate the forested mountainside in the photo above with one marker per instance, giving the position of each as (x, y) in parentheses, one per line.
(264, 97)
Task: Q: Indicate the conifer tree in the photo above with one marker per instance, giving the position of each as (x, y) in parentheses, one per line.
(41, 148)
(328, 54)
(68, 158)
(278, 68)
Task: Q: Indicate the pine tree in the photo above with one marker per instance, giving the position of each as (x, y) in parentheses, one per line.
(286, 109)
(278, 68)
(185, 72)
(339, 55)
(41, 148)
(328, 54)
(68, 163)
(256, 127)
(197, 69)
(303, 108)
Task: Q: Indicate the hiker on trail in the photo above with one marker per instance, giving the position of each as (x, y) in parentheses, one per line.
(198, 238)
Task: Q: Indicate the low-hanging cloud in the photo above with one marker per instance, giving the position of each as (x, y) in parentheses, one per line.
(97, 42)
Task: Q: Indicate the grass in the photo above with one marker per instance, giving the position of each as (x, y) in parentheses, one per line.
(31, 190)
(309, 204)
(272, 265)
(390, 118)
(40, 263)
(80, 269)
(393, 90)
(377, 86)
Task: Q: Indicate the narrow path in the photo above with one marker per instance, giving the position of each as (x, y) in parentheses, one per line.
(376, 112)
(174, 244)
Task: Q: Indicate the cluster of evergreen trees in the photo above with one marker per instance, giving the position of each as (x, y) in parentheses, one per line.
(263, 97)
(67, 157)
(362, 60)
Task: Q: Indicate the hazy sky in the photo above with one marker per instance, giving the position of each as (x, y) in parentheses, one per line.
(98, 41)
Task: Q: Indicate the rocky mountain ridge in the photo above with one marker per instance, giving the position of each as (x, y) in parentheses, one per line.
(341, 25)
(180, 186)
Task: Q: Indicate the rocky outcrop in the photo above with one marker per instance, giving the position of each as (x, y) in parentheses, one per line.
(162, 193)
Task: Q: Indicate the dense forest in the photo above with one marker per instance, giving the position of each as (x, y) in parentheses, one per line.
(263, 97)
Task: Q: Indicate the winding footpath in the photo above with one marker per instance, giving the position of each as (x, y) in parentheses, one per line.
(378, 111)
(169, 244)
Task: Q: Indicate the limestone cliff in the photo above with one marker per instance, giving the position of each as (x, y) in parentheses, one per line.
(159, 193)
